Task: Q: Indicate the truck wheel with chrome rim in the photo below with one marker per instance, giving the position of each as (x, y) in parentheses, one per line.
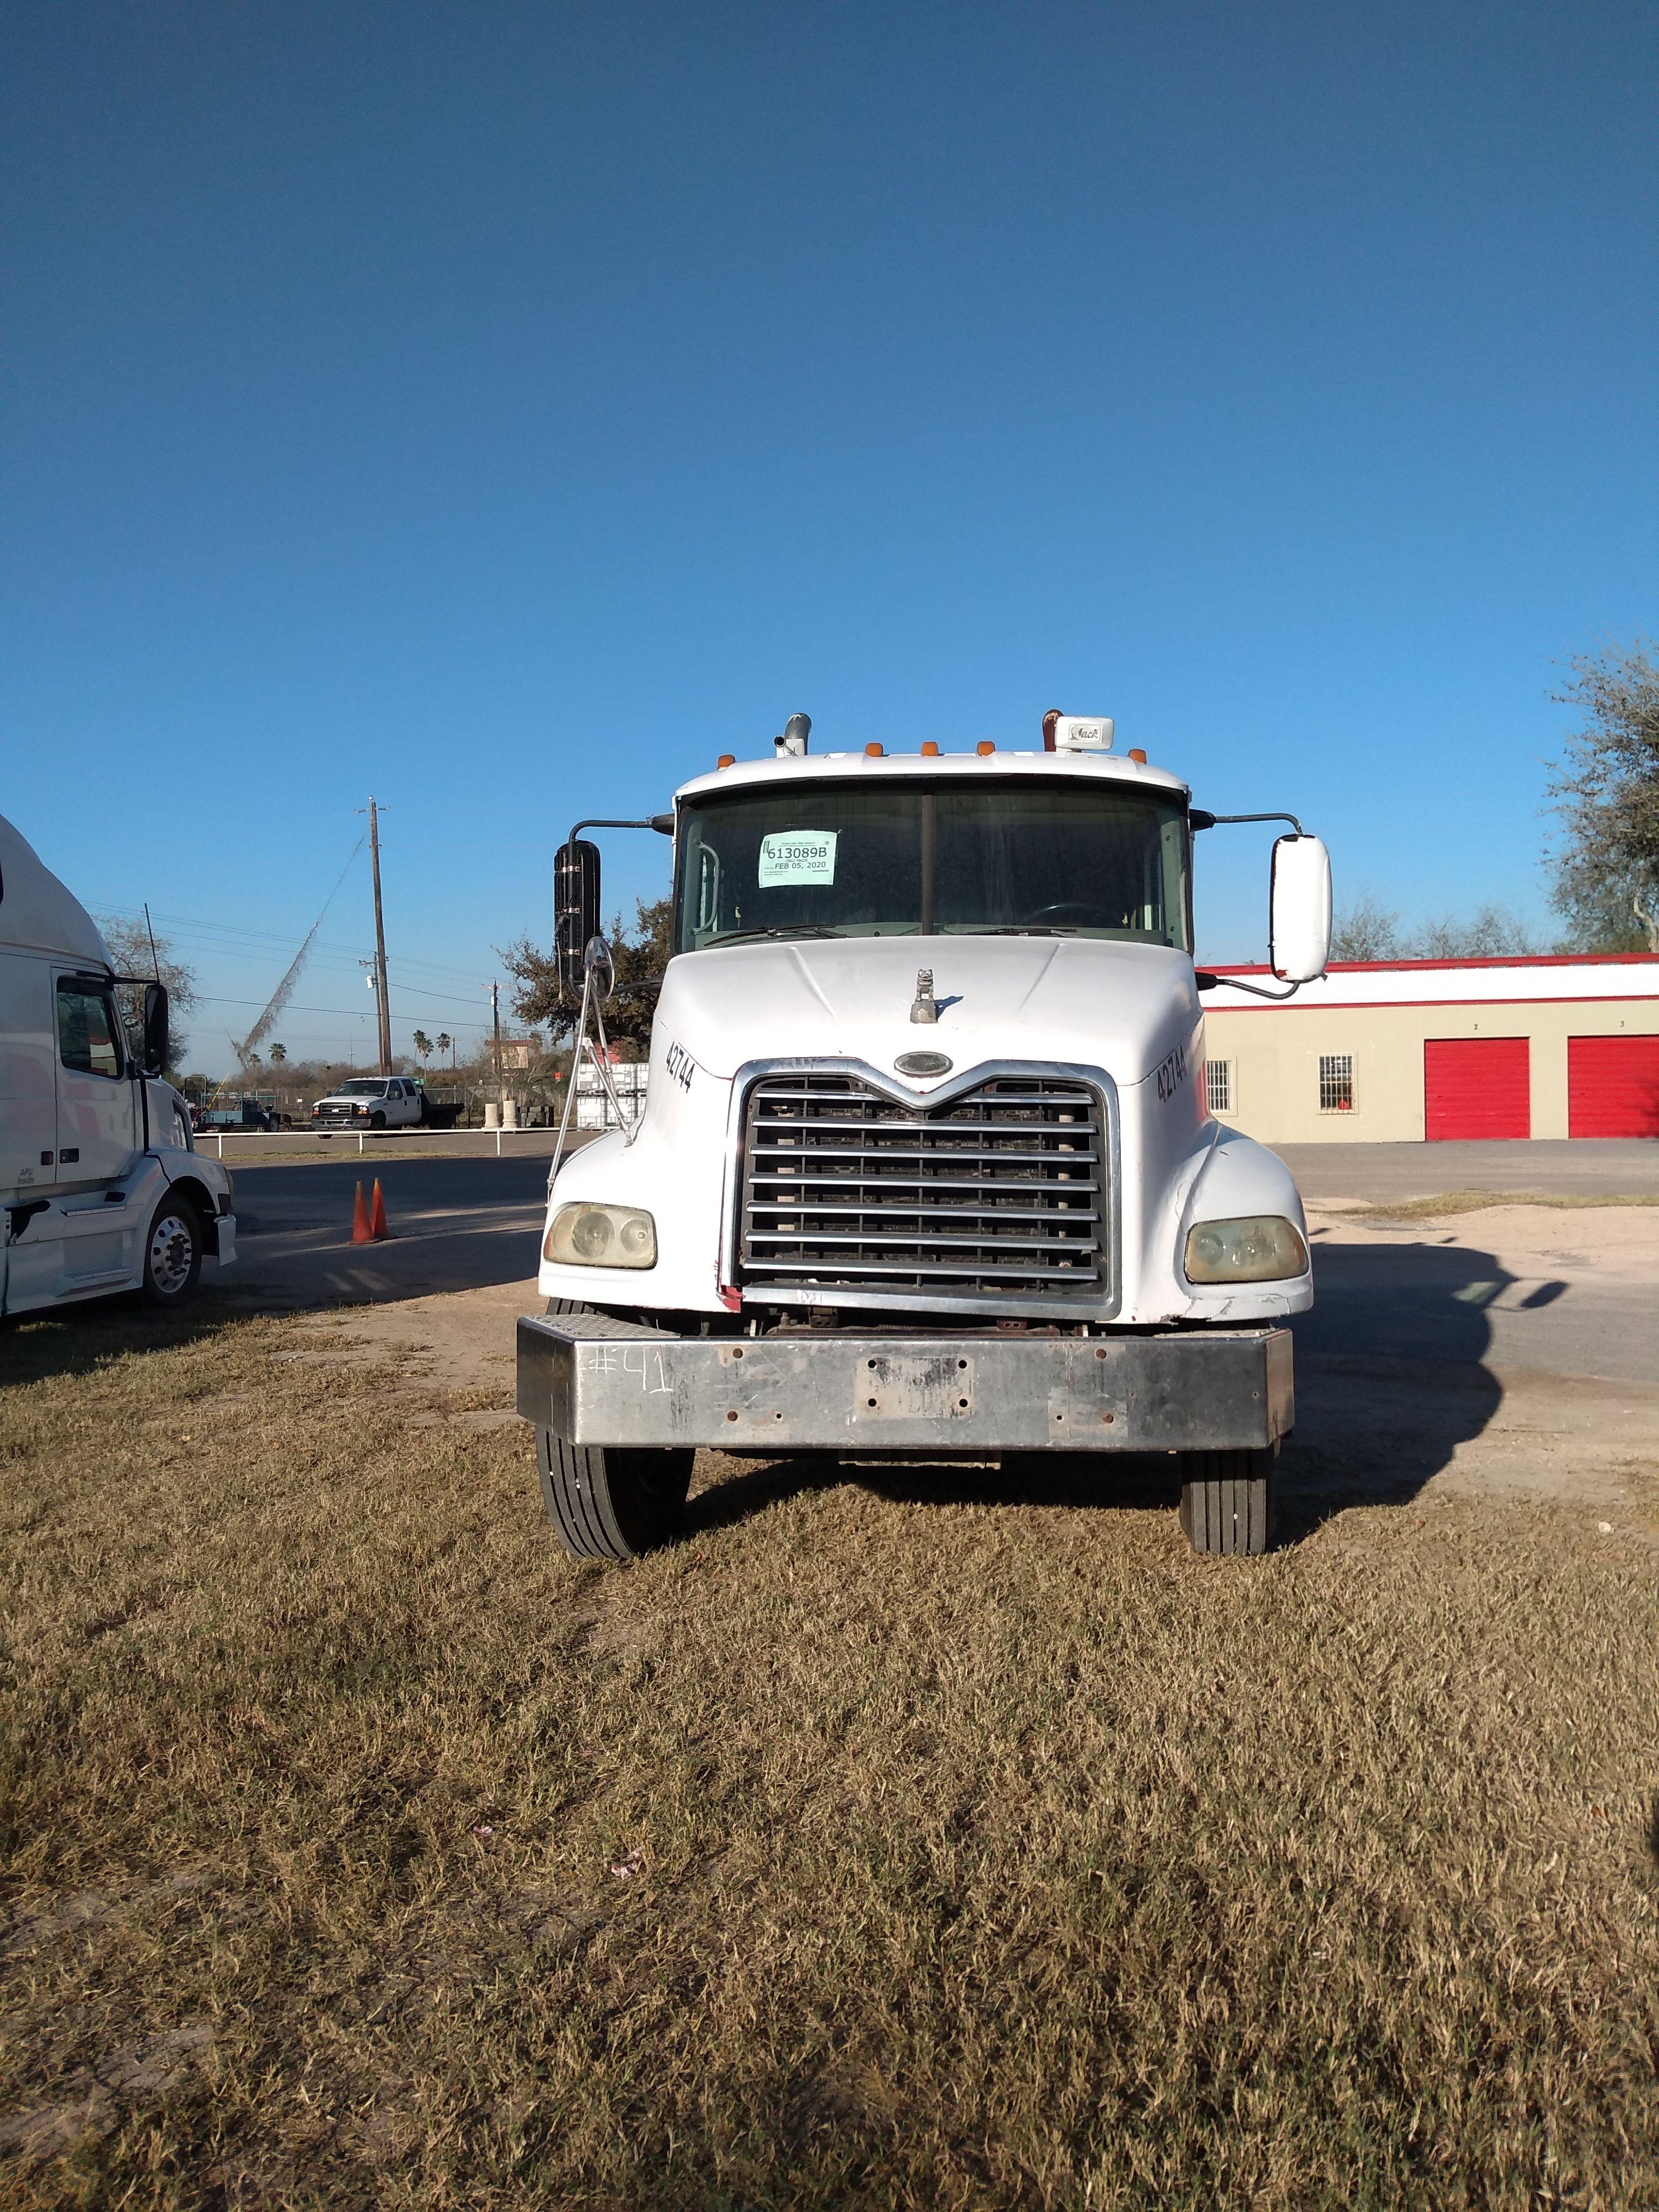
(173, 1253)
(607, 1502)
(1226, 1501)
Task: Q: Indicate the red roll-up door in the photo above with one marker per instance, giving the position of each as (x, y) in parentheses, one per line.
(1476, 1087)
(1612, 1087)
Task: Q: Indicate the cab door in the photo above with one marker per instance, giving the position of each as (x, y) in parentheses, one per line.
(28, 1091)
(97, 1100)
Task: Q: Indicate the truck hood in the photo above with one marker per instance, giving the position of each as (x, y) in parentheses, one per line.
(1119, 1007)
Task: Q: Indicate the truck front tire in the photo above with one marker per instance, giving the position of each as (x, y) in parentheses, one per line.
(1226, 1501)
(607, 1502)
(610, 1504)
(172, 1253)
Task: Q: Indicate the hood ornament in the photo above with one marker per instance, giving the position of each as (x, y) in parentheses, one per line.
(924, 1010)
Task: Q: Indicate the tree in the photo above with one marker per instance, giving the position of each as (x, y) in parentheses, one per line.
(640, 962)
(1606, 791)
(278, 1056)
(1366, 930)
(447, 1044)
(141, 960)
(1492, 932)
(422, 1044)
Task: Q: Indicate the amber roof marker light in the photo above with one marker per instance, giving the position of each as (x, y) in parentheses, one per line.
(872, 752)
(1136, 754)
(984, 746)
(929, 749)
(726, 760)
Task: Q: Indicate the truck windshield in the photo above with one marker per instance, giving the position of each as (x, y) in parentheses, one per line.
(834, 861)
(364, 1087)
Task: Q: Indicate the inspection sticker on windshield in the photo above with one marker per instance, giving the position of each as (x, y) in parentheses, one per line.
(798, 856)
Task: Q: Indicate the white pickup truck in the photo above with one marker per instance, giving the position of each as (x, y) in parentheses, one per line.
(101, 1185)
(926, 1174)
(372, 1102)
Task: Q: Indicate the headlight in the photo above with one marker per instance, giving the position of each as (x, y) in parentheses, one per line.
(587, 1235)
(1263, 1248)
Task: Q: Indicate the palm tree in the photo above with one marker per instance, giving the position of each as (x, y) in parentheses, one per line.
(447, 1044)
(278, 1054)
(422, 1044)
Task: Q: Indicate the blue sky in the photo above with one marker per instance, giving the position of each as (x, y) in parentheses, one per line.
(504, 410)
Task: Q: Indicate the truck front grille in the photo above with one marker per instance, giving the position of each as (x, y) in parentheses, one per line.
(1000, 1194)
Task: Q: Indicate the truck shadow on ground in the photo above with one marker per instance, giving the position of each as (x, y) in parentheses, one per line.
(74, 1339)
(1390, 1380)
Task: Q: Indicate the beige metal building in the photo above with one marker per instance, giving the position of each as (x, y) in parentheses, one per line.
(1412, 1049)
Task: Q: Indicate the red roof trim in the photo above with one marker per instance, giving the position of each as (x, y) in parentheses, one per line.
(1430, 1006)
(1417, 967)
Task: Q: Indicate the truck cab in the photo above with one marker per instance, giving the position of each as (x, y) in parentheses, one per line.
(926, 1170)
(103, 1187)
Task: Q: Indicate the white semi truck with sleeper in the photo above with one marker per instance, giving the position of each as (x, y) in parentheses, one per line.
(100, 1182)
(926, 1172)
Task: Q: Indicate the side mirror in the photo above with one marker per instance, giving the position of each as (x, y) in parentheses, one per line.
(598, 963)
(1299, 919)
(575, 907)
(155, 1028)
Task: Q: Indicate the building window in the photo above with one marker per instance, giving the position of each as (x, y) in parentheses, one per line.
(1336, 1083)
(1219, 1085)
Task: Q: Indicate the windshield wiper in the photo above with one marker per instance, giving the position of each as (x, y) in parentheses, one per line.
(787, 929)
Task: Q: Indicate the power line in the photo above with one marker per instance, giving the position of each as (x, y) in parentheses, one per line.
(350, 1013)
(255, 939)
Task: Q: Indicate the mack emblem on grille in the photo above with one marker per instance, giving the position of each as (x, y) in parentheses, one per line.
(922, 1063)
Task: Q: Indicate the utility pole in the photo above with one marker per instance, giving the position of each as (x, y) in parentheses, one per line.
(495, 1020)
(383, 1001)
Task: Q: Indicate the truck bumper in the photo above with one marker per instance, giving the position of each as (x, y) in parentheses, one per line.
(594, 1380)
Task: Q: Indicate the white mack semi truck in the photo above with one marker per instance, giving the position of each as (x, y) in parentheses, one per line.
(101, 1184)
(926, 1172)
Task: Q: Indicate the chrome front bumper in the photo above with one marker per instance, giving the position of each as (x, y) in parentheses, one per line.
(594, 1380)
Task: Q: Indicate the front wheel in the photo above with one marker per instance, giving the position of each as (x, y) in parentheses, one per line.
(172, 1253)
(610, 1504)
(1226, 1501)
(377, 1120)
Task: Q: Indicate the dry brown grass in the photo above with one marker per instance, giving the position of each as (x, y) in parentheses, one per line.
(873, 1847)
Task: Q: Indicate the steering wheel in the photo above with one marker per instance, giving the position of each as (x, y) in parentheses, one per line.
(1061, 909)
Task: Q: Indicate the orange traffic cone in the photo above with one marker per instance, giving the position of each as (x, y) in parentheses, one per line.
(377, 1229)
(361, 1231)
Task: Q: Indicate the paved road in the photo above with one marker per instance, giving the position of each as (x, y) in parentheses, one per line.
(1599, 1166)
(1450, 1300)
(456, 1225)
(461, 1225)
